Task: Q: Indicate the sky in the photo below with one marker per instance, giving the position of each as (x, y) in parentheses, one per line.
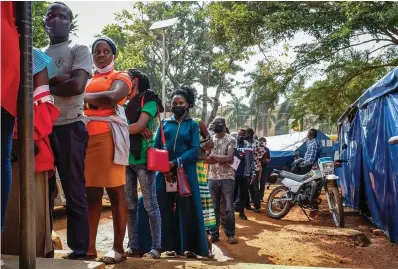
(94, 16)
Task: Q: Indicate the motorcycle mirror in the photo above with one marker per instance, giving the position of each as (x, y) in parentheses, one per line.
(344, 147)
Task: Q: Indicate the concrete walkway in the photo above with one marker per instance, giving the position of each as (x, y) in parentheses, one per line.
(12, 262)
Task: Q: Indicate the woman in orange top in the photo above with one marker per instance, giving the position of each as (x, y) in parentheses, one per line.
(107, 128)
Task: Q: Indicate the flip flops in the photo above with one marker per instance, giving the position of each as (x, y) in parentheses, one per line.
(153, 254)
(132, 253)
(113, 257)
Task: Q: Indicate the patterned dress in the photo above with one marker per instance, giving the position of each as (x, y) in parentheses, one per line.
(207, 204)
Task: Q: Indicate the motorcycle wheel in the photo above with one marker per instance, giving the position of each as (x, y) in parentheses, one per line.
(283, 207)
(336, 206)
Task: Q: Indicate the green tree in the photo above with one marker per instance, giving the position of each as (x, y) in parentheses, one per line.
(347, 45)
(39, 9)
(193, 57)
(236, 112)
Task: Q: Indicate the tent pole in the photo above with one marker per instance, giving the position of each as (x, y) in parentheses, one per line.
(27, 257)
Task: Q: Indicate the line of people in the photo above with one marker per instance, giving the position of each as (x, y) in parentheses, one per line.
(96, 130)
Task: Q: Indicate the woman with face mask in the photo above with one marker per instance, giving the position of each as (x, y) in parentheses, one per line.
(108, 146)
(183, 229)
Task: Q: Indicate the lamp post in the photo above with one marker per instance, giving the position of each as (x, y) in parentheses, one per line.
(163, 25)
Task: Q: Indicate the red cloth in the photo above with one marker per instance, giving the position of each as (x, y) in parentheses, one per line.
(44, 115)
(10, 63)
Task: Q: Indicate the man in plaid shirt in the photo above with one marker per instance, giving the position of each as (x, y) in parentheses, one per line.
(314, 148)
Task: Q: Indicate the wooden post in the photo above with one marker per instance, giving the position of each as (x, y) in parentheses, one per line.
(27, 257)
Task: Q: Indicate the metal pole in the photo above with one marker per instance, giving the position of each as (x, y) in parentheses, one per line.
(27, 257)
(164, 74)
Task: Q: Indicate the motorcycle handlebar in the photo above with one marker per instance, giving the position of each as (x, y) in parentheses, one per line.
(276, 172)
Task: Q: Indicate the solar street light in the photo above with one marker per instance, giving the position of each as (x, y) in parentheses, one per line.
(162, 26)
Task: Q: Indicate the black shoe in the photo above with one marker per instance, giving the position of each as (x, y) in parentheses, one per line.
(249, 208)
(242, 217)
(257, 210)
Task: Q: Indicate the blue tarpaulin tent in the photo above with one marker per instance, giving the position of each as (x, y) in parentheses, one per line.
(370, 178)
(283, 147)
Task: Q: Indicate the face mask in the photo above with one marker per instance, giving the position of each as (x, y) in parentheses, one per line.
(241, 139)
(179, 111)
(57, 28)
(218, 128)
(107, 68)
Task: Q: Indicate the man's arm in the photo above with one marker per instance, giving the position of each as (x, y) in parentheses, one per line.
(73, 86)
(209, 160)
(223, 159)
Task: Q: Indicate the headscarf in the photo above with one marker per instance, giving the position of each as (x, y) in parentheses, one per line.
(111, 43)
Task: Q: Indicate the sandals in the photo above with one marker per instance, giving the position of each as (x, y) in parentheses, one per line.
(232, 240)
(132, 253)
(153, 254)
(74, 256)
(113, 257)
(190, 255)
(171, 254)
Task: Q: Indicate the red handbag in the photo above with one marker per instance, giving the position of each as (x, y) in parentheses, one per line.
(182, 181)
(158, 159)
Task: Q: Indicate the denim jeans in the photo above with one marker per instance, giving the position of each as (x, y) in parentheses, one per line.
(7, 131)
(148, 189)
(223, 188)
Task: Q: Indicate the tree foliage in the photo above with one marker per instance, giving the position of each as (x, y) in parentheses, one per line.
(192, 56)
(39, 9)
(345, 47)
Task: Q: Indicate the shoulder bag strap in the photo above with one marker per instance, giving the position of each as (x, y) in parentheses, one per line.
(161, 129)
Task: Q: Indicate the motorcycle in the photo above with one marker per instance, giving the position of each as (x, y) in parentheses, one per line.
(304, 190)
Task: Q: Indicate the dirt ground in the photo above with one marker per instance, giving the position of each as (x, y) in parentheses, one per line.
(265, 241)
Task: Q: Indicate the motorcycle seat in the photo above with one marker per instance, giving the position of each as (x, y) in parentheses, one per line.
(292, 176)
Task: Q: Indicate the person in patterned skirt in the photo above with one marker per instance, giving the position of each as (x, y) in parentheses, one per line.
(207, 204)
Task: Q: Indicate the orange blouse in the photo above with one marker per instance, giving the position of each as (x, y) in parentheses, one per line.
(100, 83)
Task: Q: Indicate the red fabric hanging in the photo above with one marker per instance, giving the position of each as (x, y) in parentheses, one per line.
(10, 58)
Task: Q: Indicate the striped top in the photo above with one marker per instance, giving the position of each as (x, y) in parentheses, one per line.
(40, 61)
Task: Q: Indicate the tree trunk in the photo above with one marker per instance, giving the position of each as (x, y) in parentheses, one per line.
(205, 97)
(257, 120)
(204, 101)
(265, 122)
(216, 103)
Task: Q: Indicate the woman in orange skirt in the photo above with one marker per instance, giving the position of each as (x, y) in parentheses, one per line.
(107, 152)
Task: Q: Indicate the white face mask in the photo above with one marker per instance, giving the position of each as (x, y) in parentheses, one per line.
(107, 68)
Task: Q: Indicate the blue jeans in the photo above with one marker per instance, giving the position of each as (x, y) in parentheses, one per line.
(7, 131)
(223, 188)
(148, 189)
